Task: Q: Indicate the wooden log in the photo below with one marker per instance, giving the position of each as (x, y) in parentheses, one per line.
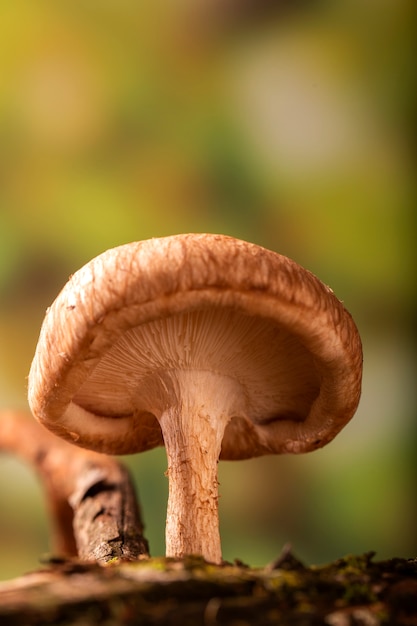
(353, 591)
(94, 509)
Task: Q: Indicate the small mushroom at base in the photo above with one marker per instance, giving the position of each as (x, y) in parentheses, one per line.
(211, 346)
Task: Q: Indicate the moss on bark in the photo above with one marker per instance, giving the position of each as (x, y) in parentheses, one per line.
(352, 591)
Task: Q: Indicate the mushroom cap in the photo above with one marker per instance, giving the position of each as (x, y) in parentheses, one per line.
(286, 339)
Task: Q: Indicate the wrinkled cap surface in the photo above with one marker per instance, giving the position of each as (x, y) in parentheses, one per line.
(138, 318)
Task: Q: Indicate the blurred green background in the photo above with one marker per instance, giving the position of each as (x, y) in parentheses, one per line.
(284, 123)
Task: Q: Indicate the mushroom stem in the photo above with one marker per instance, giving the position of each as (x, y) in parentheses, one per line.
(193, 429)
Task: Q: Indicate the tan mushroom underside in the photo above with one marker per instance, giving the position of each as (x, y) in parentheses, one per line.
(161, 308)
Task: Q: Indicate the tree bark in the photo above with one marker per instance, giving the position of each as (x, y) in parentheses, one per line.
(94, 511)
(354, 591)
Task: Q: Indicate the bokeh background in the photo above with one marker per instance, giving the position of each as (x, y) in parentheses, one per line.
(284, 123)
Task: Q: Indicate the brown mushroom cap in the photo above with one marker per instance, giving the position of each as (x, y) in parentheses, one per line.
(205, 303)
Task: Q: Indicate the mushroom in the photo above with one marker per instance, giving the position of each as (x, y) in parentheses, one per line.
(209, 345)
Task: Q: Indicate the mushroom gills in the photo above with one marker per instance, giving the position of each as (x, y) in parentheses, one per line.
(274, 373)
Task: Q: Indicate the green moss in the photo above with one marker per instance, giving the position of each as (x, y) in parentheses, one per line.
(191, 591)
(359, 593)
